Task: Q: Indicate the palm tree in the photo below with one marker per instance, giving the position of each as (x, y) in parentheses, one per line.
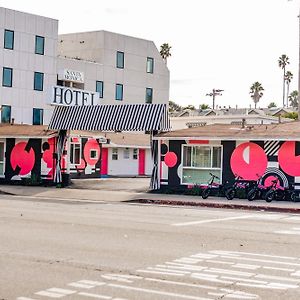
(293, 99)
(272, 104)
(282, 62)
(256, 92)
(288, 78)
(165, 51)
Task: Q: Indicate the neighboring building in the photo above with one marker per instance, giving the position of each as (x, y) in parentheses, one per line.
(188, 156)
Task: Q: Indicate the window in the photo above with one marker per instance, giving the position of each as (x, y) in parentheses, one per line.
(99, 88)
(135, 153)
(8, 39)
(120, 60)
(38, 81)
(119, 92)
(126, 153)
(5, 114)
(150, 64)
(2, 158)
(149, 93)
(37, 116)
(93, 154)
(7, 77)
(75, 153)
(114, 155)
(199, 161)
(39, 45)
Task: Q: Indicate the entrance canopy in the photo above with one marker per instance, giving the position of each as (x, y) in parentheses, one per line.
(122, 117)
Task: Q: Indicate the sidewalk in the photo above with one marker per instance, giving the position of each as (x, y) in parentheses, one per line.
(111, 196)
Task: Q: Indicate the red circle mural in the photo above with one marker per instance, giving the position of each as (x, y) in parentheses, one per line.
(288, 161)
(91, 145)
(170, 159)
(19, 157)
(248, 160)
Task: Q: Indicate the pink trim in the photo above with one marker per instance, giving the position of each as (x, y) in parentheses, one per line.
(198, 142)
(104, 161)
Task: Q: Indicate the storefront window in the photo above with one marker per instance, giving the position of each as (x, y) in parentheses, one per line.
(75, 153)
(199, 161)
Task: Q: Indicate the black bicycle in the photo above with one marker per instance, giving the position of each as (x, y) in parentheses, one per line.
(277, 192)
(239, 184)
(211, 186)
(258, 191)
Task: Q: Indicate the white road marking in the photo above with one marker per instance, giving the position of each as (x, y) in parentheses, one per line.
(220, 262)
(81, 285)
(157, 272)
(25, 298)
(116, 278)
(244, 280)
(230, 272)
(156, 292)
(188, 260)
(212, 220)
(61, 291)
(292, 232)
(97, 296)
(245, 266)
(297, 273)
(279, 269)
(91, 282)
(168, 270)
(49, 294)
(204, 256)
(263, 276)
(288, 286)
(183, 267)
(182, 283)
(212, 279)
(260, 286)
(294, 218)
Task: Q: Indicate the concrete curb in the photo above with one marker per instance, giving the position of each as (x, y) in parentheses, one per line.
(217, 205)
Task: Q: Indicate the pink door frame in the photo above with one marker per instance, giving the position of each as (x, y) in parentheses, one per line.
(104, 161)
(142, 159)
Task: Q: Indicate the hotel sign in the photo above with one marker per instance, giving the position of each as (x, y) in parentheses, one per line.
(65, 96)
(71, 75)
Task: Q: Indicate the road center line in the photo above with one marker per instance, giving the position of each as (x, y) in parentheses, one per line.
(212, 220)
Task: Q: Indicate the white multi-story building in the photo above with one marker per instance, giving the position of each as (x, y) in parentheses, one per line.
(34, 58)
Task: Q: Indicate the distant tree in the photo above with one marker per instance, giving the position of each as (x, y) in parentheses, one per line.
(256, 92)
(165, 51)
(191, 107)
(293, 99)
(288, 78)
(291, 115)
(282, 62)
(204, 106)
(174, 106)
(272, 104)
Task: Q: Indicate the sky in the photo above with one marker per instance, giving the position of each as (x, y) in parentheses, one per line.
(221, 44)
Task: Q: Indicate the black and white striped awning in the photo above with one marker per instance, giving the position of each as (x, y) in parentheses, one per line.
(122, 117)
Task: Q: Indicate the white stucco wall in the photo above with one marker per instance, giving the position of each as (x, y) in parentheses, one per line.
(22, 59)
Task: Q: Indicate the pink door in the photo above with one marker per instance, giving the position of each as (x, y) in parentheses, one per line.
(142, 161)
(104, 161)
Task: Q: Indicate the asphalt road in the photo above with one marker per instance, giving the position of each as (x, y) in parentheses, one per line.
(66, 250)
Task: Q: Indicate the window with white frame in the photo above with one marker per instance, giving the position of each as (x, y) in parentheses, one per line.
(135, 153)
(2, 158)
(75, 153)
(199, 161)
(114, 154)
(93, 154)
(126, 153)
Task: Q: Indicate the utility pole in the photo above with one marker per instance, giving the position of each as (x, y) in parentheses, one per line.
(213, 94)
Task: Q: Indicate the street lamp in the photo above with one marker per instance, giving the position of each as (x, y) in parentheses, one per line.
(213, 94)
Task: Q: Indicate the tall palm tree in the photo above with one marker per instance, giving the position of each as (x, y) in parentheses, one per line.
(288, 78)
(256, 92)
(165, 51)
(293, 99)
(282, 62)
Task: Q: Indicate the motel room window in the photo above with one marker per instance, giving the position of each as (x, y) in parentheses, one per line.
(7, 77)
(5, 114)
(149, 95)
(2, 158)
(199, 161)
(38, 114)
(135, 153)
(150, 65)
(38, 81)
(39, 45)
(93, 154)
(99, 88)
(120, 60)
(8, 39)
(114, 155)
(126, 153)
(119, 92)
(75, 153)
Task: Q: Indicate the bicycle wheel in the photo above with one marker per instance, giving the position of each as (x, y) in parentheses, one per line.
(251, 195)
(270, 196)
(293, 196)
(205, 193)
(230, 193)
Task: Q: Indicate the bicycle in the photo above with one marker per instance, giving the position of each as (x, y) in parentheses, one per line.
(278, 192)
(212, 185)
(258, 191)
(239, 183)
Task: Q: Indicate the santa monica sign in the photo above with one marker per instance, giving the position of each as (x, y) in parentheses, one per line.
(66, 96)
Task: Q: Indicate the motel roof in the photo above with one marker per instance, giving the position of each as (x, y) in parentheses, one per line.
(280, 131)
(22, 131)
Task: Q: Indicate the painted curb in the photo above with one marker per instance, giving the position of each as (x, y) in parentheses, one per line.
(217, 205)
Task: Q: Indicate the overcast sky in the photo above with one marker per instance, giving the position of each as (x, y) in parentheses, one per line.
(222, 44)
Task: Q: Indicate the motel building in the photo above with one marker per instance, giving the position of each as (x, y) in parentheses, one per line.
(42, 71)
(187, 157)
